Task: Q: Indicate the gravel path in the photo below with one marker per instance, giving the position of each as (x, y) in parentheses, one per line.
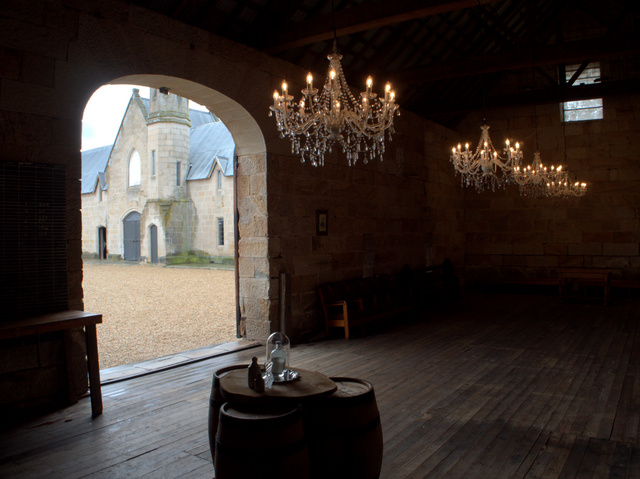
(149, 311)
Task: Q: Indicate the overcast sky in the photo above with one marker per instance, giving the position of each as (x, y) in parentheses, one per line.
(103, 114)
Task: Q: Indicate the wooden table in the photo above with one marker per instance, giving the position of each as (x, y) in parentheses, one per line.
(599, 277)
(234, 387)
(66, 321)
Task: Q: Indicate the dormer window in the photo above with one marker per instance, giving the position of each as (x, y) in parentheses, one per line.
(583, 110)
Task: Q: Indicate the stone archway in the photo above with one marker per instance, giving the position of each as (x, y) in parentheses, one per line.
(252, 264)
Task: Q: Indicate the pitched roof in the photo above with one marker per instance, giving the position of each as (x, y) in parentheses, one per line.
(210, 143)
(94, 163)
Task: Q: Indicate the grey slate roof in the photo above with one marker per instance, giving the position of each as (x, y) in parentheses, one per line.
(94, 163)
(211, 142)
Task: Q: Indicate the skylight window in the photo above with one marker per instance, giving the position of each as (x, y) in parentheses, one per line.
(583, 110)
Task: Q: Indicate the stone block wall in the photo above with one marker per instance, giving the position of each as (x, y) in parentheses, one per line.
(258, 295)
(511, 236)
(209, 204)
(380, 217)
(95, 210)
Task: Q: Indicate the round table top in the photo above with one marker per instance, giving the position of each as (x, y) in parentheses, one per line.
(234, 387)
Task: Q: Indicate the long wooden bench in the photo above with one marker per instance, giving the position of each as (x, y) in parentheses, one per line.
(65, 321)
(586, 277)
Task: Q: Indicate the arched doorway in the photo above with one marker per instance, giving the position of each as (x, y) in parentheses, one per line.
(159, 218)
(153, 243)
(250, 212)
(131, 231)
(102, 242)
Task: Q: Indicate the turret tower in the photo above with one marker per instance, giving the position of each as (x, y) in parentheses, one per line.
(168, 134)
(168, 139)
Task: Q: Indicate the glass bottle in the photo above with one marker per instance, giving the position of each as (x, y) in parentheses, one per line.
(253, 372)
(277, 360)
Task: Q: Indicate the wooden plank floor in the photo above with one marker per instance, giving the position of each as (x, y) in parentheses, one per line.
(496, 387)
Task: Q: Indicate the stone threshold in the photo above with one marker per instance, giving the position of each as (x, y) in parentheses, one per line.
(129, 371)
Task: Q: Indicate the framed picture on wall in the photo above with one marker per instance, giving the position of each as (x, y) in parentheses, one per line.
(322, 222)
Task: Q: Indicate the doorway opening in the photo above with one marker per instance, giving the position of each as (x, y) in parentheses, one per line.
(102, 242)
(169, 284)
(131, 240)
(153, 243)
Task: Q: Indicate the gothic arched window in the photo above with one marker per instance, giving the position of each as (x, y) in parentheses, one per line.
(134, 169)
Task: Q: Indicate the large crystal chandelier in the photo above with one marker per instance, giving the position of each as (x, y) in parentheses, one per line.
(318, 121)
(484, 167)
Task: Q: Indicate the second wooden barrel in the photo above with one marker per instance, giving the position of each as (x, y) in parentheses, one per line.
(265, 443)
(215, 403)
(344, 433)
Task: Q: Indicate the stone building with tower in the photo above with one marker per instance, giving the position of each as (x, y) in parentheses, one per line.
(163, 192)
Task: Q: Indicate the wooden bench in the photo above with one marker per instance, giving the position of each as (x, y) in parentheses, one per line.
(355, 302)
(66, 321)
(586, 277)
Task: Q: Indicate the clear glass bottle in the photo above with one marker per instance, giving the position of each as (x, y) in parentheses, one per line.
(279, 360)
(278, 355)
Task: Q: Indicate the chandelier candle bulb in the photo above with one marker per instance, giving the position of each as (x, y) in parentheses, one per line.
(484, 166)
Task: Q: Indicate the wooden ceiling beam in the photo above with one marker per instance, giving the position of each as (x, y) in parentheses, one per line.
(367, 16)
(568, 53)
(556, 94)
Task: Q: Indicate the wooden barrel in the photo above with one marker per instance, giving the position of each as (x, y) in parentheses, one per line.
(344, 433)
(260, 443)
(216, 402)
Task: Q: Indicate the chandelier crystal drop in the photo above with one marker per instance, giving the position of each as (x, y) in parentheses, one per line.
(484, 167)
(320, 120)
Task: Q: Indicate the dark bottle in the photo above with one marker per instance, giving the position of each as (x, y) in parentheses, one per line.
(254, 372)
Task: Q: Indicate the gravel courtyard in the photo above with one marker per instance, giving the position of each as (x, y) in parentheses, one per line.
(149, 311)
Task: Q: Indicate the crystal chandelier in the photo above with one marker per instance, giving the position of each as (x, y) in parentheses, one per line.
(484, 167)
(536, 179)
(565, 188)
(319, 121)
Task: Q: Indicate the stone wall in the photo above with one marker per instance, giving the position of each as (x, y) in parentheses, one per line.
(508, 235)
(209, 204)
(95, 214)
(380, 217)
(57, 53)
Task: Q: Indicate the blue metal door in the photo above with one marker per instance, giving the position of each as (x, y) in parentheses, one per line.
(153, 240)
(132, 237)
